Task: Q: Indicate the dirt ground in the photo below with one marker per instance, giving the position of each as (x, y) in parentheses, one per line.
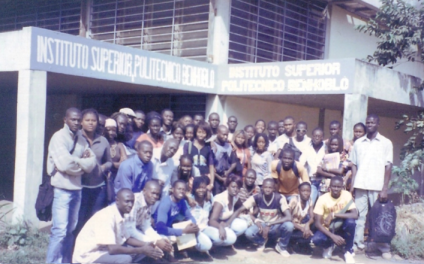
(244, 252)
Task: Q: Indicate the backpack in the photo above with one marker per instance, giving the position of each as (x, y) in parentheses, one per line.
(382, 222)
(297, 152)
(44, 201)
(294, 168)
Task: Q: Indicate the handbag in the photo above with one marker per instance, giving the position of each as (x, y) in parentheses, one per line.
(44, 201)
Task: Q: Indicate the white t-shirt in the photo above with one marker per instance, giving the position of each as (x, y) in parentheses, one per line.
(222, 199)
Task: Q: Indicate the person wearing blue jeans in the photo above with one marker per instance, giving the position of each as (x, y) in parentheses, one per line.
(336, 205)
(69, 157)
(274, 218)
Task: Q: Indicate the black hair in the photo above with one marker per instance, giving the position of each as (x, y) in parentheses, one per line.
(246, 127)
(335, 122)
(361, 125)
(140, 112)
(375, 117)
(90, 111)
(304, 184)
(236, 134)
(302, 123)
(268, 180)
(336, 178)
(187, 126)
(153, 116)
(166, 110)
(176, 126)
(339, 140)
(204, 126)
(197, 181)
(286, 150)
(186, 156)
(256, 138)
(233, 178)
(72, 110)
(318, 129)
(143, 142)
(281, 121)
(233, 117)
(260, 120)
(288, 118)
(199, 115)
(179, 181)
(214, 113)
(250, 170)
(272, 123)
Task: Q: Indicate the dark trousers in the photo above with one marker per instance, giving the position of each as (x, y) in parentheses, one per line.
(297, 235)
(347, 232)
(92, 201)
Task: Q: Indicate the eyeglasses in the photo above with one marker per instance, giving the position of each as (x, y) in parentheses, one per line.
(304, 131)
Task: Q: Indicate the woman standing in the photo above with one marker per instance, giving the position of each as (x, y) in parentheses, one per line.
(239, 144)
(94, 194)
(262, 158)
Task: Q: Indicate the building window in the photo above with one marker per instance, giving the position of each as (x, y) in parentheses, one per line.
(276, 30)
(57, 15)
(173, 27)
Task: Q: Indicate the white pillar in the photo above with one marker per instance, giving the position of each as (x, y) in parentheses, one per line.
(219, 31)
(355, 111)
(31, 113)
(216, 103)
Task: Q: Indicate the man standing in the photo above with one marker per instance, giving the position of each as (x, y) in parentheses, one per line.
(122, 122)
(167, 119)
(214, 123)
(281, 129)
(289, 132)
(225, 159)
(288, 173)
(130, 114)
(335, 129)
(272, 137)
(138, 123)
(134, 172)
(105, 237)
(163, 164)
(336, 205)
(312, 157)
(232, 125)
(372, 159)
(69, 157)
(197, 118)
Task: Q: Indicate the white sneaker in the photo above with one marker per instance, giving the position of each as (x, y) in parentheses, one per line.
(282, 252)
(262, 247)
(349, 257)
(328, 252)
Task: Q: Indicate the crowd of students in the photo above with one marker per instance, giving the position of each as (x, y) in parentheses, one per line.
(123, 182)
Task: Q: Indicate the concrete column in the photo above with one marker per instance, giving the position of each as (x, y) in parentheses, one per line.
(219, 31)
(216, 103)
(355, 110)
(31, 112)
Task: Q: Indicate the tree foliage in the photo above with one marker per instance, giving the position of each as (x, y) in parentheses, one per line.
(399, 28)
(411, 155)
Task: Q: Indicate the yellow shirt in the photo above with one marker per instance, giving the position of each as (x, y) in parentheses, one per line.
(288, 181)
(326, 204)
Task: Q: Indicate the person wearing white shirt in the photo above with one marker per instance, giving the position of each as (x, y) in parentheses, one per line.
(372, 159)
(311, 158)
(289, 127)
(104, 238)
(141, 213)
(163, 164)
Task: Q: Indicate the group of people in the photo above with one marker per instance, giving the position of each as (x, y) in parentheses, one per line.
(130, 185)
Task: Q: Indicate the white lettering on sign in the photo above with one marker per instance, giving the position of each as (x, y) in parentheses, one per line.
(64, 53)
(315, 69)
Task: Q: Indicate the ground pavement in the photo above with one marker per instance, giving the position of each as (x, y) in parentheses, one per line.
(244, 252)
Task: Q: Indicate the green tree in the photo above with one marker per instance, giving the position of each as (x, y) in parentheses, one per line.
(398, 26)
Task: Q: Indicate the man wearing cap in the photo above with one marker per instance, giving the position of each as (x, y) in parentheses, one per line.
(130, 114)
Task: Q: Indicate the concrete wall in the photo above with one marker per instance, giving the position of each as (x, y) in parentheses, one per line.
(387, 84)
(15, 50)
(344, 41)
(249, 110)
